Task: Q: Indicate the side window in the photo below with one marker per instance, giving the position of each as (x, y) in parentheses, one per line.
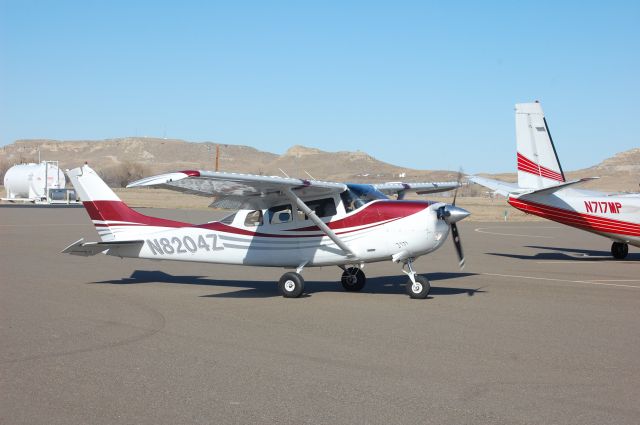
(323, 207)
(229, 219)
(280, 214)
(253, 219)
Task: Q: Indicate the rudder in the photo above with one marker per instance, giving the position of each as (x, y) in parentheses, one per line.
(538, 164)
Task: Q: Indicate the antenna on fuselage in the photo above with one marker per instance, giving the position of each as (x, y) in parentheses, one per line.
(285, 174)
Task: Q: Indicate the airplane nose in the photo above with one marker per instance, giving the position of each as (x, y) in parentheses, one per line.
(452, 214)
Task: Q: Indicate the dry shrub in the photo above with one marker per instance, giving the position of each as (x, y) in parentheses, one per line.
(472, 189)
(4, 167)
(124, 173)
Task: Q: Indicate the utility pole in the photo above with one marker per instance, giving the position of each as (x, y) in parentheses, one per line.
(217, 156)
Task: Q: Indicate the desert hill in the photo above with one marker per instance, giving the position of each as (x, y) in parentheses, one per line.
(154, 155)
(621, 172)
(125, 159)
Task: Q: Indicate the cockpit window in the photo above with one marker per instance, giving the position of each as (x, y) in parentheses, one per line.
(322, 207)
(350, 201)
(358, 195)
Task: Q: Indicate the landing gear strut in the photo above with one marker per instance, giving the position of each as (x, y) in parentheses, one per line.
(418, 286)
(619, 250)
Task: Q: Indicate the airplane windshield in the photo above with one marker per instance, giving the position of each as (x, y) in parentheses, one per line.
(358, 195)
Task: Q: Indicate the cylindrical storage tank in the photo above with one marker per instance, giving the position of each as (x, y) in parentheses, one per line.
(29, 181)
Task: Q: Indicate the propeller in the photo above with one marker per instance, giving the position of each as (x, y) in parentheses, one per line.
(456, 242)
(455, 192)
(451, 214)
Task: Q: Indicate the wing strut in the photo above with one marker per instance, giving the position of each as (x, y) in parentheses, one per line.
(321, 224)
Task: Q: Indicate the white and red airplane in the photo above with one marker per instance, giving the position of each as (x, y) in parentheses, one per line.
(542, 189)
(280, 222)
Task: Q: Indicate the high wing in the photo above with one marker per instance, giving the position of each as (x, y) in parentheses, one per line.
(240, 191)
(400, 189)
(250, 191)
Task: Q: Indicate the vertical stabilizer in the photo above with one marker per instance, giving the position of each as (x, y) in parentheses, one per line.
(89, 186)
(113, 219)
(538, 164)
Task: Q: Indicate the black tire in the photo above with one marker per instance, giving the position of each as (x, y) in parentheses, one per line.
(291, 285)
(420, 289)
(619, 250)
(353, 279)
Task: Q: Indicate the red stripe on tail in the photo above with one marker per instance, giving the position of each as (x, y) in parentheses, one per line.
(119, 211)
(528, 166)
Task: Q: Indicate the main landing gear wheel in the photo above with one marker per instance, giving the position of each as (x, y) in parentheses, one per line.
(418, 289)
(353, 279)
(619, 250)
(291, 285)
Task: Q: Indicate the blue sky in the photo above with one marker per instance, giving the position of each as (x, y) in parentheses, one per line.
(426, 85)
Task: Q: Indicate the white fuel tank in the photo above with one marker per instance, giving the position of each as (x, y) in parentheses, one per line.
(29, 181)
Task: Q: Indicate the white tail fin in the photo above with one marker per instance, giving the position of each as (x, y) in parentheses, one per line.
(113, 219)
(538, 164)
(89, 186)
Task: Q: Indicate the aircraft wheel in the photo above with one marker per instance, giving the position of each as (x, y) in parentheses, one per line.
(291, 285)
(619, 250)
(353, 279)
(420, 289)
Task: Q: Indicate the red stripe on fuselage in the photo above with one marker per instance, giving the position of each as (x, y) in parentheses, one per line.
(528, 166)
(371, 215)
(576, 219)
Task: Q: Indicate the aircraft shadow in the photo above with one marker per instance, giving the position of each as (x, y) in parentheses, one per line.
(569, 254)
(263, 289)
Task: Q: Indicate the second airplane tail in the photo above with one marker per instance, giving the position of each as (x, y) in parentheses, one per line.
(538, 164)
(539, 170)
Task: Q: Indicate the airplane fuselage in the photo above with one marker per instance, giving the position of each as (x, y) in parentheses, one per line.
(615, 216)
(374, 233)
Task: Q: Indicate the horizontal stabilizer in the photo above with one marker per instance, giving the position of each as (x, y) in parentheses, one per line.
(552, 189)
(87, 249)
(497, 186)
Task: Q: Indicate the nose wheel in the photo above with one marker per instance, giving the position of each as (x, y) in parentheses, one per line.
(619, 250)
(418, 286)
